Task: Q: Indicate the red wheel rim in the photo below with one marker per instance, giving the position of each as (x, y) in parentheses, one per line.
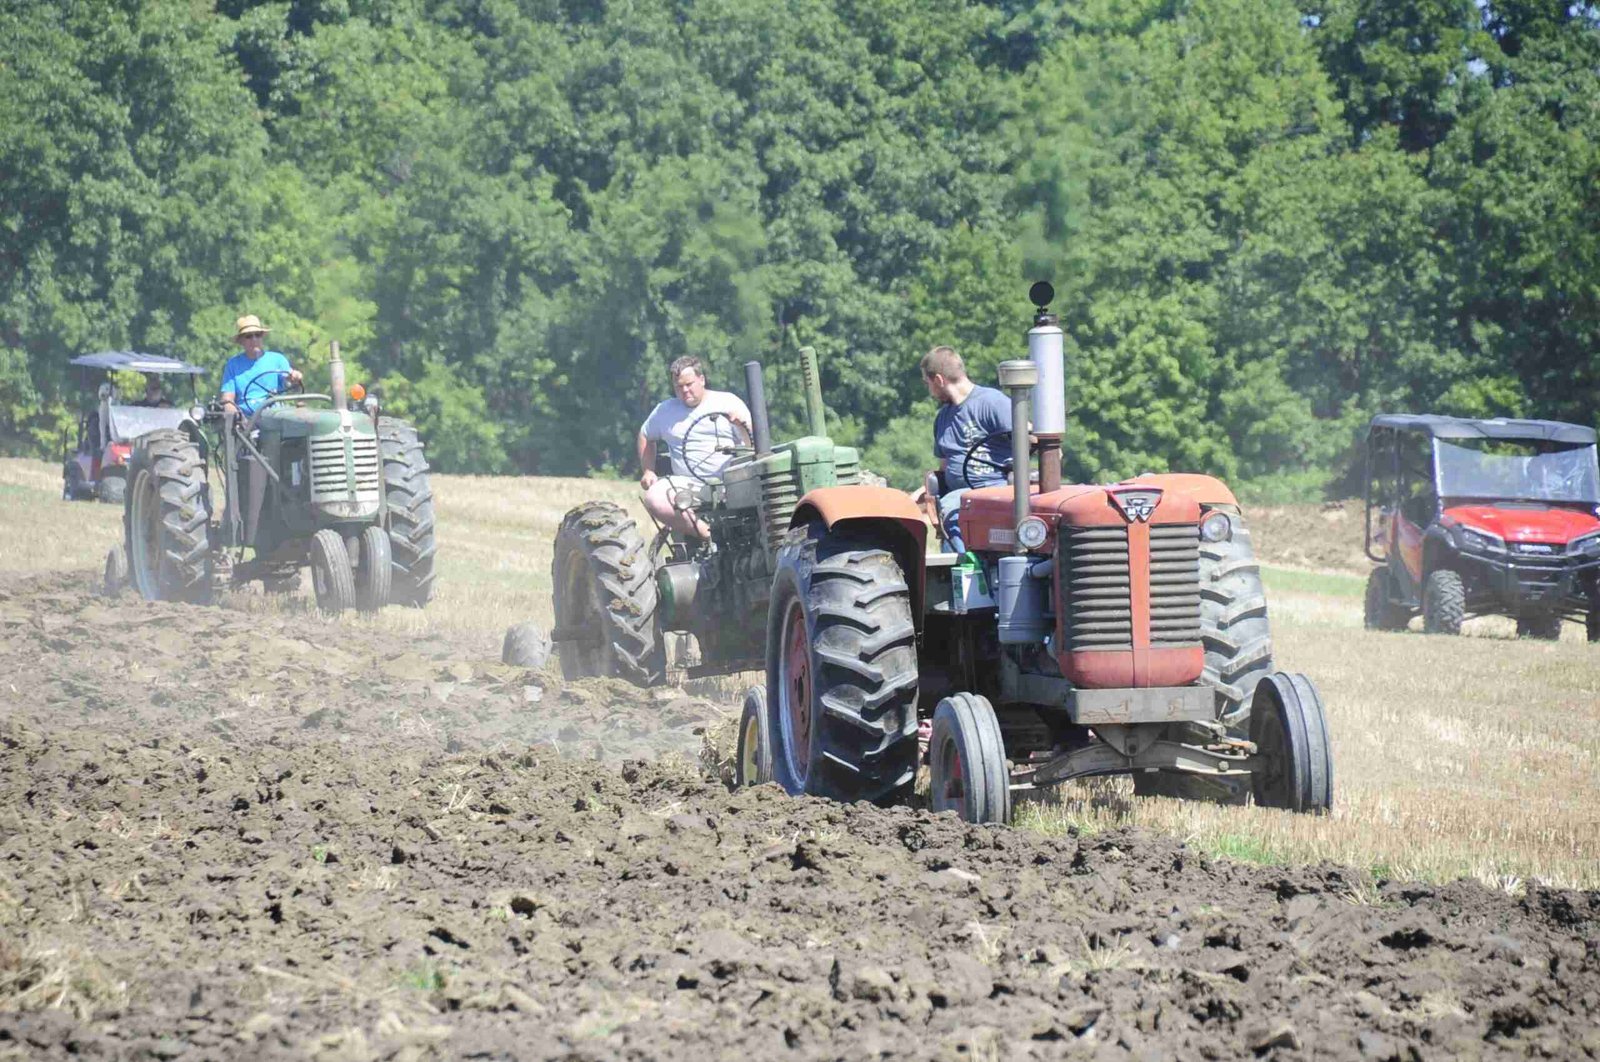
(796, 690)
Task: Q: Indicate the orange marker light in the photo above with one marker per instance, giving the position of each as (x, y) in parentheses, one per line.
(357, 392)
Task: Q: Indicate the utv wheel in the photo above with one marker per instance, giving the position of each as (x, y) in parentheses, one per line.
(376, 571)
(1545, 627)
(753, 765)
(526, 645)
(841, 672)
(1233, 624)
(113, 488)
(331, 575)
(1444, 602)
(408, 507)
(605, 597)
(72, 485)
(116, 570)
(166, 519)
(967, 766)
(1380, 613)
(1591, 624)
(1291, 732)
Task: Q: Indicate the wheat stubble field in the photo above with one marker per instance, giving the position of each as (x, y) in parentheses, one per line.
(1474, 757)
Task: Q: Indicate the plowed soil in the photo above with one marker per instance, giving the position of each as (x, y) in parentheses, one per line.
(241, 832)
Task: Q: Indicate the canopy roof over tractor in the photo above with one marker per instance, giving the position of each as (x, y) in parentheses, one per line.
(132, 361)
(1439, 427)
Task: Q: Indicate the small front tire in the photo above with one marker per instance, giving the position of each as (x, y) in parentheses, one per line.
(527, 645)
(967, 761)
(376, 572)
(331, 573)
(1444, 602)
(116, 576)
(753, 765)
(1290, 729)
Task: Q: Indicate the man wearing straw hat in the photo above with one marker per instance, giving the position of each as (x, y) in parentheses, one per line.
(256, 373)
(249, 379)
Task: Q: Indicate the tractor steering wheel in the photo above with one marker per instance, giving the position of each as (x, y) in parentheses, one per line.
(984, 461)
(267, 390)
(699, 467)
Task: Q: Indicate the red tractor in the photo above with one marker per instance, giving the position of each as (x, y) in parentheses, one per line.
(1482, 517)
(1090, 630)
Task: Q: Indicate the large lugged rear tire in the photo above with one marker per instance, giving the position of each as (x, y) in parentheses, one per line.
(166, 519)
(1444, 602)
(1234, 625)
(408, 501)
(841, 672)
(605, 597)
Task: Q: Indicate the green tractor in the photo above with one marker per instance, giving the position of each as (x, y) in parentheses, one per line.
(620, 597)
(306, 480)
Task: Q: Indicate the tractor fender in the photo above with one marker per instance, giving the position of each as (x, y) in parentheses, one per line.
(1209, 491)
(881, 514)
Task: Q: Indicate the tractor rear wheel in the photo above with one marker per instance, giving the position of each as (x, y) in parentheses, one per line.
(605, 597)
(1289, 728)
(1444, 602)
(967, 767)
(753, 765)
(1544, 626)
(841, 671)
(375, 573)
(408, 513)
(166, 519)
(1233, 624)
(331, 574)
(1380, 613)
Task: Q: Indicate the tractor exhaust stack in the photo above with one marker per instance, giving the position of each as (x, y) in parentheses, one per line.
(815, 413)
(1019, 379)
(760, 426)
(336, 377)
(1045, 350)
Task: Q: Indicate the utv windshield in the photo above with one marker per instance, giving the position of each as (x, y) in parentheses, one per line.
(130, 422)
(1517, 471)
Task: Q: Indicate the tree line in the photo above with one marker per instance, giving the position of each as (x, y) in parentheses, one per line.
(1265, 219)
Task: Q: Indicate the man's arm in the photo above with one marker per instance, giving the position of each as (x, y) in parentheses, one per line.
(647, 474)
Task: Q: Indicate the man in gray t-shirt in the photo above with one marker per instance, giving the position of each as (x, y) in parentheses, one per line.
(968, 414)
(700, 427)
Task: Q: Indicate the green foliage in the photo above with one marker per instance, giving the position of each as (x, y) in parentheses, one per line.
(1265, 220)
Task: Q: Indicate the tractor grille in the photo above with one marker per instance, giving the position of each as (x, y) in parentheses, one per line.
(849, 472)
(330, 481)
(1174, 585)
(1097, 613)
(779, 496)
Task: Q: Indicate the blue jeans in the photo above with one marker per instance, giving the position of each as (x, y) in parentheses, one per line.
(950, 518)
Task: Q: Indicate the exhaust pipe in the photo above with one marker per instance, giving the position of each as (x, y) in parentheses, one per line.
(1045, 350)
(815, 412)
(760, 426)
(1019, 378)
(336, 377)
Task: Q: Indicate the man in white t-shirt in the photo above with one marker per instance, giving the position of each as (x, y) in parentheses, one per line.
(699, 426)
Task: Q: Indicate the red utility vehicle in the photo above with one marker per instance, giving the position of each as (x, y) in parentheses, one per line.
(96, 467)
(1482, 517)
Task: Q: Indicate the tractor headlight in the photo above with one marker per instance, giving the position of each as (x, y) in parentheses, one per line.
(1588, 546)
(1481, 541)
(1216, 527)
(197, 413)
(1032, 532)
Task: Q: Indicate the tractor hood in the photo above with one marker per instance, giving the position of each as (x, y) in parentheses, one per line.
(298, 422)
(1525, 523)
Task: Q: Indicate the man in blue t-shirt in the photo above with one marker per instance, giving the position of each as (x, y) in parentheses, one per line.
(968, 414)
(256, 373)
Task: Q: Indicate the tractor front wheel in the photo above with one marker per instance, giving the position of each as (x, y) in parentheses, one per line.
(374, 576)
(1444, 602)
(526, 644)
(841, 671)
(967, 767)
(116, 576)
(166, 519)
(1289, 728)
(605, 597)
(753, 765)
(331, 574)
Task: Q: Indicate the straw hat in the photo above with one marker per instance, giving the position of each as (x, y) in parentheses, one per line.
(249, 325)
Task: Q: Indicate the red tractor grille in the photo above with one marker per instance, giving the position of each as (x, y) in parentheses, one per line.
(1174, 585)
(1097, 610)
